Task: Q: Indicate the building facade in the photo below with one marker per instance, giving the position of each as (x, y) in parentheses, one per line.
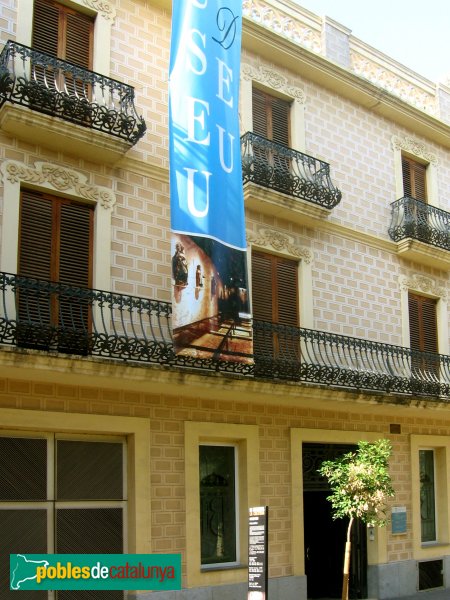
(111, 443)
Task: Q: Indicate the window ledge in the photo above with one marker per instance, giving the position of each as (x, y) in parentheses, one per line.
(425, 545)
(207, 568)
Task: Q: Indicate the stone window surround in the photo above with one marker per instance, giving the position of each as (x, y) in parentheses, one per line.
(275, 242)
(425, 286)
(441, 447)
(418, 151)
(137, 434)
(104, 13)
(273, 83)
(246, 439)
(58, 181)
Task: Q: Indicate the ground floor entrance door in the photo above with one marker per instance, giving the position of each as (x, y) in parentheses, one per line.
(324, 538)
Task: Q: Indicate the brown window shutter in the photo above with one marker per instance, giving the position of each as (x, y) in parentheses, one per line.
(79, 37)
(76, 225)
(262, 286)
(280, 121)
(35, 239)
(422, 323)
(414, 179)
(46, 26)
(286, 288)
(63, 32)
(259, 112)
(274, 289)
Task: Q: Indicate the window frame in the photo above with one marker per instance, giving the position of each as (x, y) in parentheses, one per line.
(416, 169)
(435, 490)
(418, 152)
(237, 562)
(425, 286)
(78, 189)
(104, 14)
(246, 439)
(137, 434)
(441, 447)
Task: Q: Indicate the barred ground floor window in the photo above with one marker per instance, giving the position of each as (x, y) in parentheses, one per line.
(61, 494)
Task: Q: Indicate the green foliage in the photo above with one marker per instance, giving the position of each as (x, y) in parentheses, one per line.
(360, 482)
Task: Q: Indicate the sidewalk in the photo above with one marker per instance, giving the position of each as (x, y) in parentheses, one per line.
(427, 595)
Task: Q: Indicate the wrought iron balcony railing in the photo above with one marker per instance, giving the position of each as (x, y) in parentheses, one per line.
(54, 317)
(411, 218)
(282, 169)
(59, 88)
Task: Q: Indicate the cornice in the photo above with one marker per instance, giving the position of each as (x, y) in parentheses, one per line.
(272, 47)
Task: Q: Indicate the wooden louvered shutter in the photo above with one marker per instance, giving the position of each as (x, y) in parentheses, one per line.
(414, 179)
(280, 121)
(262, 289)
(35, 244)
(35, 260)
(63, 32)
(46, 27)
(56, 241)
(423, 333)
(76, 224)
(78, 42)
(270, 117)
(274, 293)
(286, 288)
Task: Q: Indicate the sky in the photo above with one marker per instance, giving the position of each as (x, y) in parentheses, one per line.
(415, 33)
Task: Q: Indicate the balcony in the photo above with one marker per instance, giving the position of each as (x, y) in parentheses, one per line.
(95, 112)
(422, 232)
(51, 317)
(303, 186)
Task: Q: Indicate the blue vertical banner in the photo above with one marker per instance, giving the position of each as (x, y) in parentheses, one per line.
(211, 316)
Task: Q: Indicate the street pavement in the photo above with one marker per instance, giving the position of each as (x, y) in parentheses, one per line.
(427, 595)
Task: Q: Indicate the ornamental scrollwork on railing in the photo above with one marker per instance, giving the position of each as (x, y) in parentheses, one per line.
(61, 89)
(288, 171)
(49, 316)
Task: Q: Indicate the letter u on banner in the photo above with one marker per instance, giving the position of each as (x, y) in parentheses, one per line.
(211, 309)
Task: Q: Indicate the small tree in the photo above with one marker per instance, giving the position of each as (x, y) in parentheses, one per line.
(360, 485)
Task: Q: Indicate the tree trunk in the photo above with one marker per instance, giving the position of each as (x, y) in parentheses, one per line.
(348, 549)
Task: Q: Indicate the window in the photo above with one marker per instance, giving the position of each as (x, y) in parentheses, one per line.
(274, 300)
(414, 179)
(423, 335)
(66, 34)
(222, 482)
(61, 495)
(63, 32)
(56, 237)
(422, 323)
(218, 508)
(427, 496)
(270, 117)
(55, 244)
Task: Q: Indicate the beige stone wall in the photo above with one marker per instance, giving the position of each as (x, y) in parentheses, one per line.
(166, 416)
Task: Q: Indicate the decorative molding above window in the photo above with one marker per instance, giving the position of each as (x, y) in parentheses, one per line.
(57, 178)
(268, 238)
(102, 7)
(272, 79)
(414, 147)
(426, 285)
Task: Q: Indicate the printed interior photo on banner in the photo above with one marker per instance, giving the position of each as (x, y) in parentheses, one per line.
(212, 316)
